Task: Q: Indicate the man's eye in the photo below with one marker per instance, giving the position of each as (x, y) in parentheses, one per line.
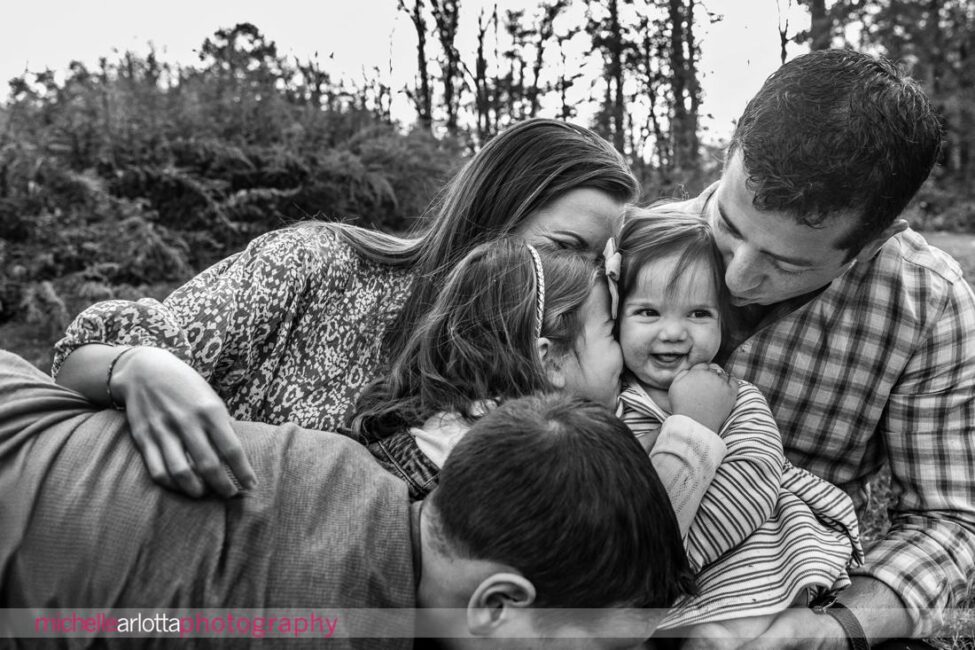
(790, 270)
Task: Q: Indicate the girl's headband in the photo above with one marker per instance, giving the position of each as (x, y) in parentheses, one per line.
(612, 261)
(540, 290)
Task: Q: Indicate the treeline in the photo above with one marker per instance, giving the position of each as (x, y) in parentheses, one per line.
(140, 172)
(630, 67)
(136, 173)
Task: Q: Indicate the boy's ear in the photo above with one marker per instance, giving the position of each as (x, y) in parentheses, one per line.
(499, 599)
(551, 362)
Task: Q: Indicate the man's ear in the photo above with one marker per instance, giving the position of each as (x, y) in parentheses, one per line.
(551, 362)
(873, 246)
(497, 600)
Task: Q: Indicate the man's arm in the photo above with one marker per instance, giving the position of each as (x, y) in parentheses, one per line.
(923, 564)
(928, 553)
(878, 608)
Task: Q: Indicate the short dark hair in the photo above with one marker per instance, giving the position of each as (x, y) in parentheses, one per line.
(835, 131)
(558, 488)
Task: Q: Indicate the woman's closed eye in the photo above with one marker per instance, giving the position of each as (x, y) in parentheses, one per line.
(568, 241)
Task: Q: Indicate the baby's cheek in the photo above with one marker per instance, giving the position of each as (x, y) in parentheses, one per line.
(630, 349)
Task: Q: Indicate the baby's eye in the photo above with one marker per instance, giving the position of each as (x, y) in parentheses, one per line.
(646, 312)
(702, 313)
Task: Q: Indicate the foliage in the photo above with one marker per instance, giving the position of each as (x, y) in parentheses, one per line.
(141, 173)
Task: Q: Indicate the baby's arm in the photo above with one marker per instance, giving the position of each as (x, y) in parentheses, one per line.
(686, 455)
(746, 486)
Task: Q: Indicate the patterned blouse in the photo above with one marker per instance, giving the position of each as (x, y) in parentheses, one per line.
(288, 330)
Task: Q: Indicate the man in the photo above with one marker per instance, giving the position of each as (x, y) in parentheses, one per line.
(548, 504)
(861, 336)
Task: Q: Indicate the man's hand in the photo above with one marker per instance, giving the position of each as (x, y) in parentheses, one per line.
(704, 393)
(798, 627)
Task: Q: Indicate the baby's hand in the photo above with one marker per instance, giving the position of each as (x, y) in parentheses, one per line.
(704, 393)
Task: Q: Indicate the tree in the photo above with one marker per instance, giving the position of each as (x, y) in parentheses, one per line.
(446, 16)
(421, 96)
(686, 92)
(609, 40)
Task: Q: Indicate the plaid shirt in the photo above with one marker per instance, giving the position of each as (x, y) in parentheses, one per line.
(880, 366)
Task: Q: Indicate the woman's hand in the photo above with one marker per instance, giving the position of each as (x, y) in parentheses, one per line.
(704, 393)
(179, 424)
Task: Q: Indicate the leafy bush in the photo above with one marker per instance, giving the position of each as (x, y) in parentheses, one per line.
(138, 173)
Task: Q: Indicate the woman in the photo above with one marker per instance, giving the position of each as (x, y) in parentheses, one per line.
(294, 326)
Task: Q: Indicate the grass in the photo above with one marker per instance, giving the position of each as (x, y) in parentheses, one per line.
(33, 341)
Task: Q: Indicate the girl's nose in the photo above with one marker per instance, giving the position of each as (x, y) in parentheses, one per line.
(673, 330)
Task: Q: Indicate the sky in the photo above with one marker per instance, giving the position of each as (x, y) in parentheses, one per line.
(737, 52)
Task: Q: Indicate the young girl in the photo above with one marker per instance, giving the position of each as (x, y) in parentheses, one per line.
(510, 320)
(765, 531)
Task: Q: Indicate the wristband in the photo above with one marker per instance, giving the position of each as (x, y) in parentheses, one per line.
(856, 638)
(108, 379)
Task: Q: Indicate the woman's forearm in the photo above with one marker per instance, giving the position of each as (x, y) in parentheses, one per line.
(85, 371)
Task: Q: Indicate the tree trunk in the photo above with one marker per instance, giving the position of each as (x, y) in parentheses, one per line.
(616, 75)
(820, 27)
(446, 15)
(683, 128)
(421, 96)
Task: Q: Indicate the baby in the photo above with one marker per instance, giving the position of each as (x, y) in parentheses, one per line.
(764, 533)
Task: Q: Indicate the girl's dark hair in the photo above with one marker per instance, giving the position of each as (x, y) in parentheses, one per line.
(522, 170)
(663, 230)
(477, 341)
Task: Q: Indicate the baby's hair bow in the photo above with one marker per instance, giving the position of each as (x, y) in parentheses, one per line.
(612, 261)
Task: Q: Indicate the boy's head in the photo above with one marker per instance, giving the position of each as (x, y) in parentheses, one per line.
(549, 503)
(822, 161)
(673, 298)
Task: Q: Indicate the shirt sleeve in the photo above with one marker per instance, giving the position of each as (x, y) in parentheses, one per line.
(686, 455)
(928, 554)
(230, 311)
(746, 485)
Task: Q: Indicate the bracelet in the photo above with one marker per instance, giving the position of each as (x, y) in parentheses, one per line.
(856, 638)
(108, 379)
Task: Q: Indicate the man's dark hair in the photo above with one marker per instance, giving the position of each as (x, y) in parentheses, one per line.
(835, 131)
(559, 489)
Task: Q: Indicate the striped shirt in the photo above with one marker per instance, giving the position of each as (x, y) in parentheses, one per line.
(880, 367)
(765, 531)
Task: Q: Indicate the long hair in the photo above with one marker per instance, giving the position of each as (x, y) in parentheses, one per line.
(520, 171)
(477, 342)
